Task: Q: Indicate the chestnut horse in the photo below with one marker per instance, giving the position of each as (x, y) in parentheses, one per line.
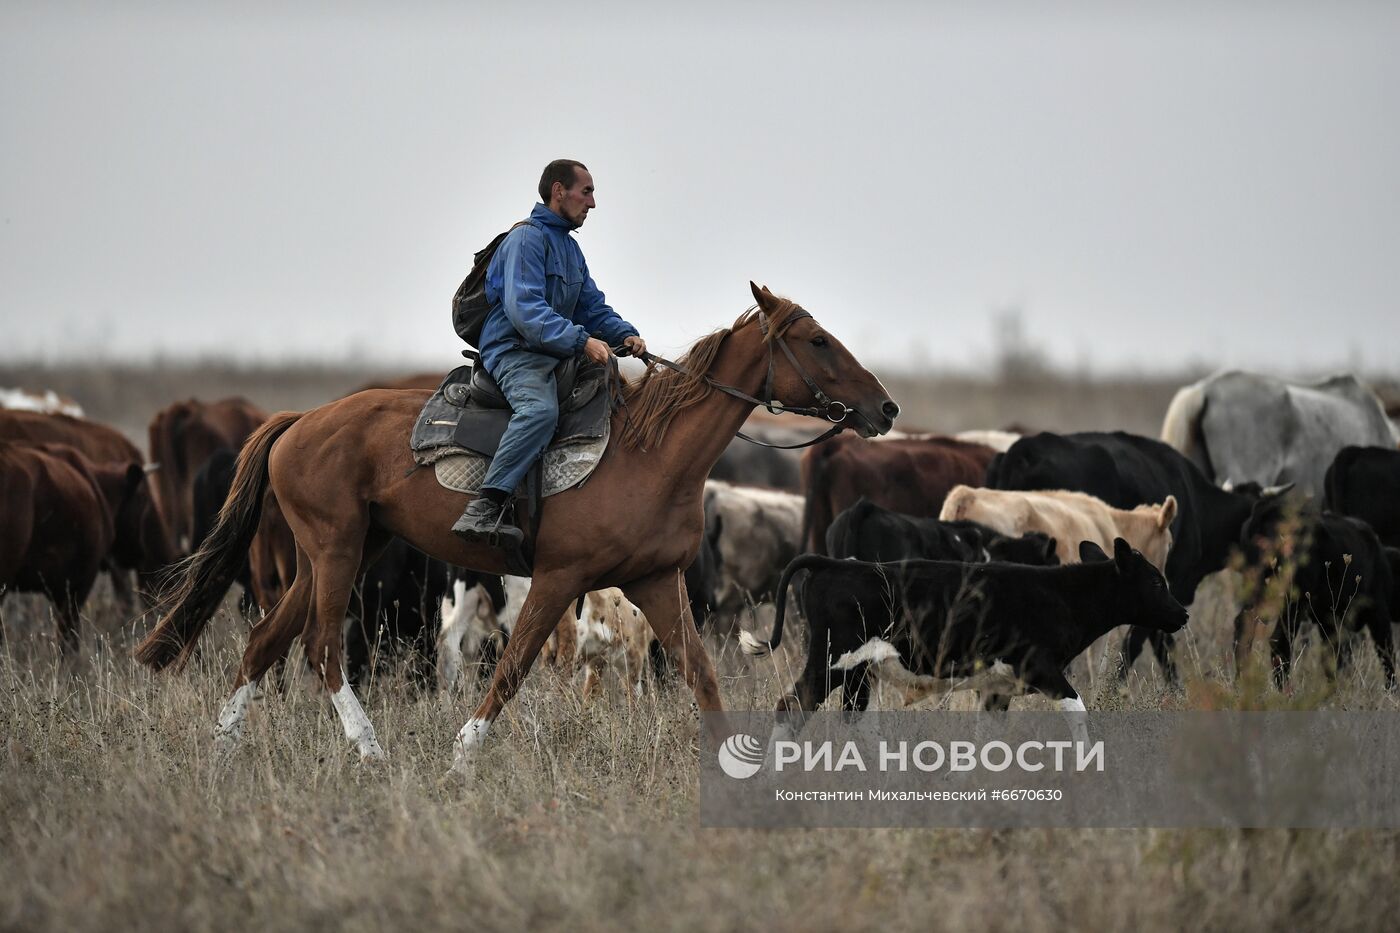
(345, 478)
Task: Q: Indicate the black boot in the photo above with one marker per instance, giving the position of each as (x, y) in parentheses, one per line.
(484, 522)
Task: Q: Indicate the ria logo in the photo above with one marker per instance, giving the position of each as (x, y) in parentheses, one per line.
(741, 756)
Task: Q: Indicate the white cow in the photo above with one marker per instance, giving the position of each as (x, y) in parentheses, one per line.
(608, 631)
(1000, 441)
(48, 402)
(755, 534)
(1245, 427)
(469, 620)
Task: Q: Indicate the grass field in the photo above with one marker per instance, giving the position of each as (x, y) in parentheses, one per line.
(114, 815)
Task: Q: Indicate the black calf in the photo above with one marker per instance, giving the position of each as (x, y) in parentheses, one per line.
(1364, 482)
(999, 627)
(1343, 580)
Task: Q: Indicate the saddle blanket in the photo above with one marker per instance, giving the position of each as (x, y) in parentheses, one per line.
(565, 466)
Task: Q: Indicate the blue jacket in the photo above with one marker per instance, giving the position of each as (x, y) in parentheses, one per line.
(542, 297)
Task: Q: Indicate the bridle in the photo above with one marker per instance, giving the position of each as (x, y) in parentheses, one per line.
(826, 407)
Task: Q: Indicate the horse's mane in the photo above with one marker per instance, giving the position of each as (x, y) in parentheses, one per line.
(652, 401)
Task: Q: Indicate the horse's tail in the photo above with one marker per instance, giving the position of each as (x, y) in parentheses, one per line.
(204, 577)
(753, 646)
(816, 506)
(1181, 428)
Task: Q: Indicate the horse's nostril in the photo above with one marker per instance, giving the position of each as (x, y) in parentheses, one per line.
(890, 409)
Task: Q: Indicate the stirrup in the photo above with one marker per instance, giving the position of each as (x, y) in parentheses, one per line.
(493, 537)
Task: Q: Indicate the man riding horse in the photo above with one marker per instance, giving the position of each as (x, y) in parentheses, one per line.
(544, 308)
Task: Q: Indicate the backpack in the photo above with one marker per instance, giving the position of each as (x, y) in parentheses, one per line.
(469, 305)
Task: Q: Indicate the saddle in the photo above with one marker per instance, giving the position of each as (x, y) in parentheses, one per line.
(469, 411)
(460, 428)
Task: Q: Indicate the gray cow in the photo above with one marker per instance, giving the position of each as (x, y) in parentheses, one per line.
(1246, 427)
(755, 533)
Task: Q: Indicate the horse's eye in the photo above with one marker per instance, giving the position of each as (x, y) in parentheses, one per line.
(819, 341)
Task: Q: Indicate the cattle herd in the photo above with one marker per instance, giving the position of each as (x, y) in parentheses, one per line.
(988, 560)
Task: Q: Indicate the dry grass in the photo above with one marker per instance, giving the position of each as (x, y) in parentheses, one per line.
(113, 815)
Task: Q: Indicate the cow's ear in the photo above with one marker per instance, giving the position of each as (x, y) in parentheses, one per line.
(1089, 552)
(1168, 512)
(1122, 553)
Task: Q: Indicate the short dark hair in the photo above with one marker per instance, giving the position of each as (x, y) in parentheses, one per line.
(562, 171)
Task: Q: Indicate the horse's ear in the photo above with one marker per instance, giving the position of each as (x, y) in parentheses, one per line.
(761, 294)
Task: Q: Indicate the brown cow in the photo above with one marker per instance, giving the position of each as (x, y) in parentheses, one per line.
(910, 475)
(97, 442)
(118, 482)
(55, 530)
(141, 542)
(181, 438)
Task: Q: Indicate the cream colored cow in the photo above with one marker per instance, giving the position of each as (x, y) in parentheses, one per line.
(1068, 517)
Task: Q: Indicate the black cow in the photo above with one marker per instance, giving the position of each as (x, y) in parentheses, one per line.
(995, 627)
(1364, 482)
(1126, 471)
(1343, 580)
(866, 531)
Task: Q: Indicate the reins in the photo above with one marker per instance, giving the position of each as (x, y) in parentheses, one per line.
(826, 407)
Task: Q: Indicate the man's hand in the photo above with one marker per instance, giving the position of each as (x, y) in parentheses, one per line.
(596, 350)
(637, 345)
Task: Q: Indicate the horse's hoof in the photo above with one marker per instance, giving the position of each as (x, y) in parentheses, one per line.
(373, 755)
(463, 765)
(224, 747)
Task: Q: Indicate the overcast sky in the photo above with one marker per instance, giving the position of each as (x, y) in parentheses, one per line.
(1151, 186)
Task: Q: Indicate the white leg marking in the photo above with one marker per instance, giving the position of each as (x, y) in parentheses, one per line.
(1073, 707)
(357, 725)
(232, 717)
(468, 743)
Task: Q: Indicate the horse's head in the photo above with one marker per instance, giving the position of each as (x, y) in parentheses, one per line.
(823, 362)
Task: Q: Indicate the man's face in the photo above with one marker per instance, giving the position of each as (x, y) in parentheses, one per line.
(575, 203)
